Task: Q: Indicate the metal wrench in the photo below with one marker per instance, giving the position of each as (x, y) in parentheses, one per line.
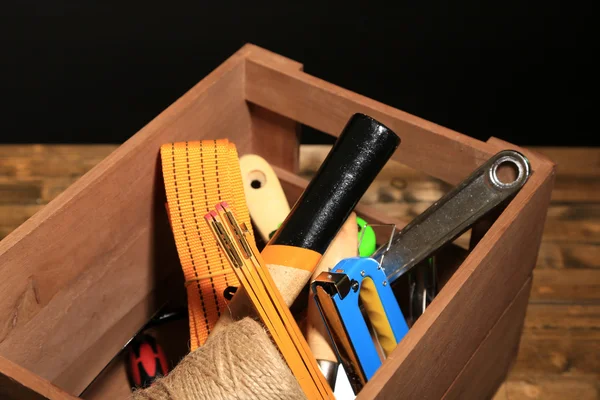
(338, 291)
(453, 214)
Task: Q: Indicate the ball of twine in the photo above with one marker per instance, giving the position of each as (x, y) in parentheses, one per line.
(239, 362)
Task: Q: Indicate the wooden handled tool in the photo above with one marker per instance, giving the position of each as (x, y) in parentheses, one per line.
(344, 245)
(265, 198)
(242, 255)
(293, 253)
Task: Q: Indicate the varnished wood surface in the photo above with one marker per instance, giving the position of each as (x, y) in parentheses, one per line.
(17, 383)
(559, 356)
(111, 237)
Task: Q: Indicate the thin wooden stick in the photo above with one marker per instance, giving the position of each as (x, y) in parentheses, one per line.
(290, 355)
(241, 253)
(289, 320)
(276, 299)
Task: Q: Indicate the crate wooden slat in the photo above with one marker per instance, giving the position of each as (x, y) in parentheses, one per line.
(81, 276)
(17, 383)
(425, 146)
(485, 361)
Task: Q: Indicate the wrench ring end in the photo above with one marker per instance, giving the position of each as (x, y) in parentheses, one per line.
(516, 159)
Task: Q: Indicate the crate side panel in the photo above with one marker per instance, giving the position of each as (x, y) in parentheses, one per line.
(425, 146)
(488, 367)
(444, 338)
(275, 138)
(17, 383)
(106, 235)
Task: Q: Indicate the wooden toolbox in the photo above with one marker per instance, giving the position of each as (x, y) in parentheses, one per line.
(84, 274)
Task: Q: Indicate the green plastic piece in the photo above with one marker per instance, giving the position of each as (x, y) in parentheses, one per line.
(272, 233)
(368, 244)
(369, 241)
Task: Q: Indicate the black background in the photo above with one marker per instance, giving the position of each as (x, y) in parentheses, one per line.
(91, 71)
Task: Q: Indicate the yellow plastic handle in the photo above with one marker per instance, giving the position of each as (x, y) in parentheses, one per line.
(374, 308)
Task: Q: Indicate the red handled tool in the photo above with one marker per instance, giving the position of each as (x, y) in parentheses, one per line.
(146, 361)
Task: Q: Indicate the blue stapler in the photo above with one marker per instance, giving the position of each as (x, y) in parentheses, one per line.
(358, 286)
(356, 282)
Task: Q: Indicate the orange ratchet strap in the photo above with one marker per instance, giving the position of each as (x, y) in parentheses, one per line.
(198, 175)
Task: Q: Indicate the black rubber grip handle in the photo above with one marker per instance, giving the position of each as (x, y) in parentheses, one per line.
(358, 155)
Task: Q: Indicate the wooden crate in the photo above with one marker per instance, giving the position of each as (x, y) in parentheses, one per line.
(81, 276)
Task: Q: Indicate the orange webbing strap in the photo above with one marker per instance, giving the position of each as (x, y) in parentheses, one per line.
(198, 175)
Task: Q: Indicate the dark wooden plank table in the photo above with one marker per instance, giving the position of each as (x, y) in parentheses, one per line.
(559, 357)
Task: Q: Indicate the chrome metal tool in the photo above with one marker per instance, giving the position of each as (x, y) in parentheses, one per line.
(338, 291)
(453, 214)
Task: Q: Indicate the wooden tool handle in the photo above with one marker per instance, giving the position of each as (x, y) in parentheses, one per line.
(344, 245)
(266, 200)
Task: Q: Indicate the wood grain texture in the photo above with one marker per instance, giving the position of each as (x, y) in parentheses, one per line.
(64, 313)
(560, 343)
(486, 359)
(276, 137)
(88, 263)
(311, 101)
(17, 383)
(492, 275)
(549, 387)
(560, 340)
